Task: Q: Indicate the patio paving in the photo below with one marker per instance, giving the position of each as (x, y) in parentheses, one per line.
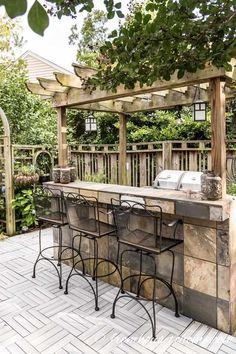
(36, 317)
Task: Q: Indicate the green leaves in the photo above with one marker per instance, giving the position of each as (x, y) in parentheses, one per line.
(113, 34)
(24, 207)
(32, 120)
(162, 37)
(38, 18)
(120, 14)
(14, 8)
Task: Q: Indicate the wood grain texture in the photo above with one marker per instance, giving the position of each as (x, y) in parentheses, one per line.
(122, 150)
(218, 126)
(62, 137)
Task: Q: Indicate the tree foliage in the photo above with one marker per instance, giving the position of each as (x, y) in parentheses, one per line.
(107, 133)
(90, 38)
(164, 36)
(10, 38)
(32, 120)
(141, 127)
(38, 15)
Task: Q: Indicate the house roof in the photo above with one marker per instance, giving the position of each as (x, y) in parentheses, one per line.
(39, 66)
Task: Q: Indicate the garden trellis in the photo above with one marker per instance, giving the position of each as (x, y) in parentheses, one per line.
(10, 155)
(6, 159)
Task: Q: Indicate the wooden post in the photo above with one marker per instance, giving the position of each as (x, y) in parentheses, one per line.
(122, 150)
(62, 137)
(218, 146)
(9, 190)
(167, 155)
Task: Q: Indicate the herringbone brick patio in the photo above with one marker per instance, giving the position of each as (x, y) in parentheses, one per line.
(36, 317)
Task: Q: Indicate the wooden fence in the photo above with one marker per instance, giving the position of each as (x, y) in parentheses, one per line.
(145, 160)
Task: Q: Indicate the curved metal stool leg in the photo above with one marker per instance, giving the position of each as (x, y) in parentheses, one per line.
(95, 272)
(59, 258)
(38, 257)
(171, 282)
(154, 309)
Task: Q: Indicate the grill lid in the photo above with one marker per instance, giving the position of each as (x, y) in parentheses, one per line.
(191, 180)
(178, 180)
(168, 179)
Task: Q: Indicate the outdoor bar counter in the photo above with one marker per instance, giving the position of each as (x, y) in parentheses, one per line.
(205, 263)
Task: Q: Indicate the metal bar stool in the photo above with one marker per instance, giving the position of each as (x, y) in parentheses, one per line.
(86, 218)
(50, 209)
(139, 229)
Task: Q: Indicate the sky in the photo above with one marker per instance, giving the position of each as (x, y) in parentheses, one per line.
(54, 44)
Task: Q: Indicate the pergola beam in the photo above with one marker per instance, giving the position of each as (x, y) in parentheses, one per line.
(51, 85)
(38, 90)
(96, 107)
(85, 96)
(83, 72)
(127, 105)
(68, 80)
(173, 99)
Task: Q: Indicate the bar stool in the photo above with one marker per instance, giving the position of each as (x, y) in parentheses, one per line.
(50, 209)
(139, 229)
(86, 218)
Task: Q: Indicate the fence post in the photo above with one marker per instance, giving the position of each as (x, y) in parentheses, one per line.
(167, 155)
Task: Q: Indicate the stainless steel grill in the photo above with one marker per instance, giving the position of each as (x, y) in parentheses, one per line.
(178, 180)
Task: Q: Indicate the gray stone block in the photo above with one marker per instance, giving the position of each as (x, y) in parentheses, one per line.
(201, 307)
(222, 247)
(192, 210)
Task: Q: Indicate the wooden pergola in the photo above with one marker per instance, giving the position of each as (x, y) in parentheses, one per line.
(216, 85)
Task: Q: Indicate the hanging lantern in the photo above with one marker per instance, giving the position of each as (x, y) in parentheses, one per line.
(199, 108)
(199, 111)
(90, 123)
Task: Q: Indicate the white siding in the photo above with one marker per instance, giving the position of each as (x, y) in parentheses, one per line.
(38, 68)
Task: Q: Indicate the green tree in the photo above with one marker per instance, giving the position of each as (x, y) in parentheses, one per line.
(164, 36)
(141, 127)
(32, 120)
(10, 38)
(92, 35)
(107, 133)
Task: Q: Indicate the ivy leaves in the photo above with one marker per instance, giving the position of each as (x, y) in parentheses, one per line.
(38, 16)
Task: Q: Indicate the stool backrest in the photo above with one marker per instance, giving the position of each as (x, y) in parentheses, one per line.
(49, 204)
(136, 221)
(82, 212)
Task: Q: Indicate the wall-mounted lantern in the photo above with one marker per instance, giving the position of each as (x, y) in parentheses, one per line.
(90, 123)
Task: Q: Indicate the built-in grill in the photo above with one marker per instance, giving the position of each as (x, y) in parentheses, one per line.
(178, 180)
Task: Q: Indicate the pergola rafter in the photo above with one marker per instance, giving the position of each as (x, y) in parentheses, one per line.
(67, 91)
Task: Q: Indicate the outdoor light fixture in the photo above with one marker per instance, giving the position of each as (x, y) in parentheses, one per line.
(90, 123)
(199, 108)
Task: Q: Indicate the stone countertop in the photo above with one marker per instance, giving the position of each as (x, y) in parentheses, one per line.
(171, 201)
